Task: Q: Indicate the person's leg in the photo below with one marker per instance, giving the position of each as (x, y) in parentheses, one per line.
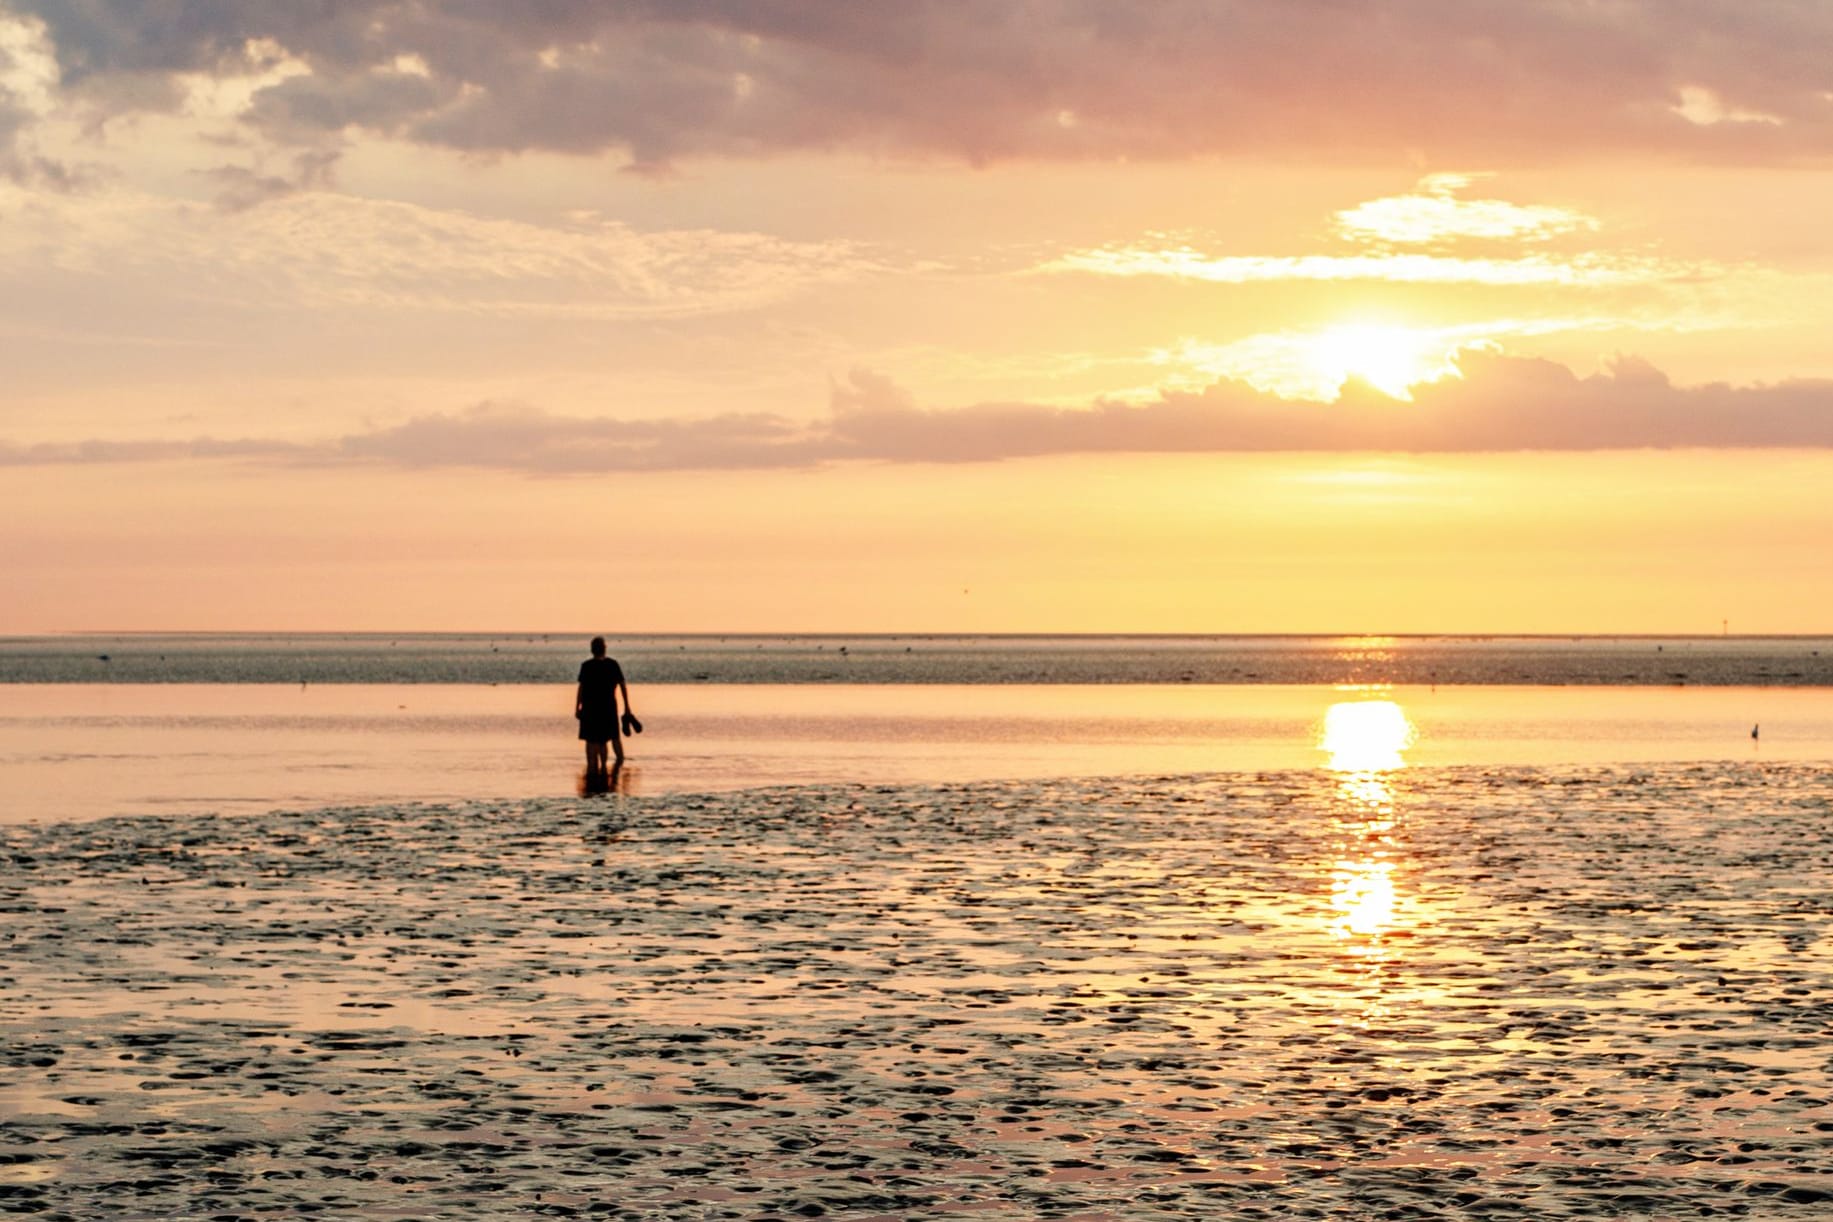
(617, 744)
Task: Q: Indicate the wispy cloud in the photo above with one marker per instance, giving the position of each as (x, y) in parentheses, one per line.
(1495, 403)
(519, 437)
(1189, 263)
(77, 453)
(1435, 212)
(326, 250)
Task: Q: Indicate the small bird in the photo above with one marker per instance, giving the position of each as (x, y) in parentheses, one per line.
(1754, 729)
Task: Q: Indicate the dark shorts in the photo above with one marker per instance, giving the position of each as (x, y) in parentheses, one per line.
(598, 727)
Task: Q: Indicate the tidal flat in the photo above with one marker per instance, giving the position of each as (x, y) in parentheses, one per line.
(1462, 992)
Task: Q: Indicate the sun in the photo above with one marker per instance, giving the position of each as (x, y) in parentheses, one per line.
(1392, 359)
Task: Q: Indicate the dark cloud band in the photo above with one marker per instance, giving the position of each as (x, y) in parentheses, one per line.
(1501, 404)
(657, 80)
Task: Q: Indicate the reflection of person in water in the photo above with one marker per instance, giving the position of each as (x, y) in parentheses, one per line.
(600, 681)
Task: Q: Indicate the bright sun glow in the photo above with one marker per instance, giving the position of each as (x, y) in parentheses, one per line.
(1366, 736)
(1391, 359)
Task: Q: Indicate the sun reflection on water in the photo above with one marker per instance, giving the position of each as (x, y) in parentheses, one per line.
(1362, 892)
(1365, 743)
(1366, 737)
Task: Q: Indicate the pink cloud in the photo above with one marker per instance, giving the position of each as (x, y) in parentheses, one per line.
(1499, 404)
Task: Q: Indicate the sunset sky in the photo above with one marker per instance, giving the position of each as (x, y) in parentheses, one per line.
(958, 315)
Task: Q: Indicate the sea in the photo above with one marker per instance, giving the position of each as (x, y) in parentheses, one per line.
(94, 725)
(1114, 929)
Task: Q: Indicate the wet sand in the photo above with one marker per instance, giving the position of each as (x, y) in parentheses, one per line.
(1434, 993)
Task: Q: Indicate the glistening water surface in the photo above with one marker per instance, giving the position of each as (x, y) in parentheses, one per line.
(1270, 951)
(71, 751)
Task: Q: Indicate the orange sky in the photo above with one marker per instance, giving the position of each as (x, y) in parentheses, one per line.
(971, 316)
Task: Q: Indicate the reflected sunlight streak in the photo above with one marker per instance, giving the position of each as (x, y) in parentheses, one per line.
(1362, 893)
(1365, 740)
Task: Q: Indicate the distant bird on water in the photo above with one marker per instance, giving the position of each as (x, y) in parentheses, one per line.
(1754, 729)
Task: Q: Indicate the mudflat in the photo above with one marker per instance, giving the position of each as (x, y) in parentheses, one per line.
(1430, 993)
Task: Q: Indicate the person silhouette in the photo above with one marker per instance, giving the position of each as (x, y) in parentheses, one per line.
(595, 706)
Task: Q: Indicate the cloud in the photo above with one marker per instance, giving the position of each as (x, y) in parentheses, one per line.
(13, 121)
(1497, 403)
(517, 437)
(1434, 212)
(1314, 363)
(1705, 108)
(318, 250)
(27, 76)
(660, 80)
(77, 453)
(240, 188)
(1189, 263)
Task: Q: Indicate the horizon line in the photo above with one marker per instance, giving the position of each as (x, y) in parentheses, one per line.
(946, 634)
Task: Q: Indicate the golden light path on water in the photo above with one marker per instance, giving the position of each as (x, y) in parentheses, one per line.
(1365, 741)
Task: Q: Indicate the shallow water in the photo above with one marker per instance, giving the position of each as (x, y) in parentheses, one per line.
(90, 750)
(1364, 993)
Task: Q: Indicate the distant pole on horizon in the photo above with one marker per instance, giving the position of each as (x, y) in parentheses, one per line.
(1724, 627)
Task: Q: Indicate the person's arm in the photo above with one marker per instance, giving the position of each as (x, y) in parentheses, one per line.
(625, 689)
(579, 700)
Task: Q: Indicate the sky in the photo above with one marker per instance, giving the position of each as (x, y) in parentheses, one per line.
(942, 316)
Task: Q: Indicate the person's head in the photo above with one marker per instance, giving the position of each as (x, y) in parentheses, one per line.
(598, 646)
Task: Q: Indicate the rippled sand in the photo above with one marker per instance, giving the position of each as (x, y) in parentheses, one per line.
(1425, 994)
